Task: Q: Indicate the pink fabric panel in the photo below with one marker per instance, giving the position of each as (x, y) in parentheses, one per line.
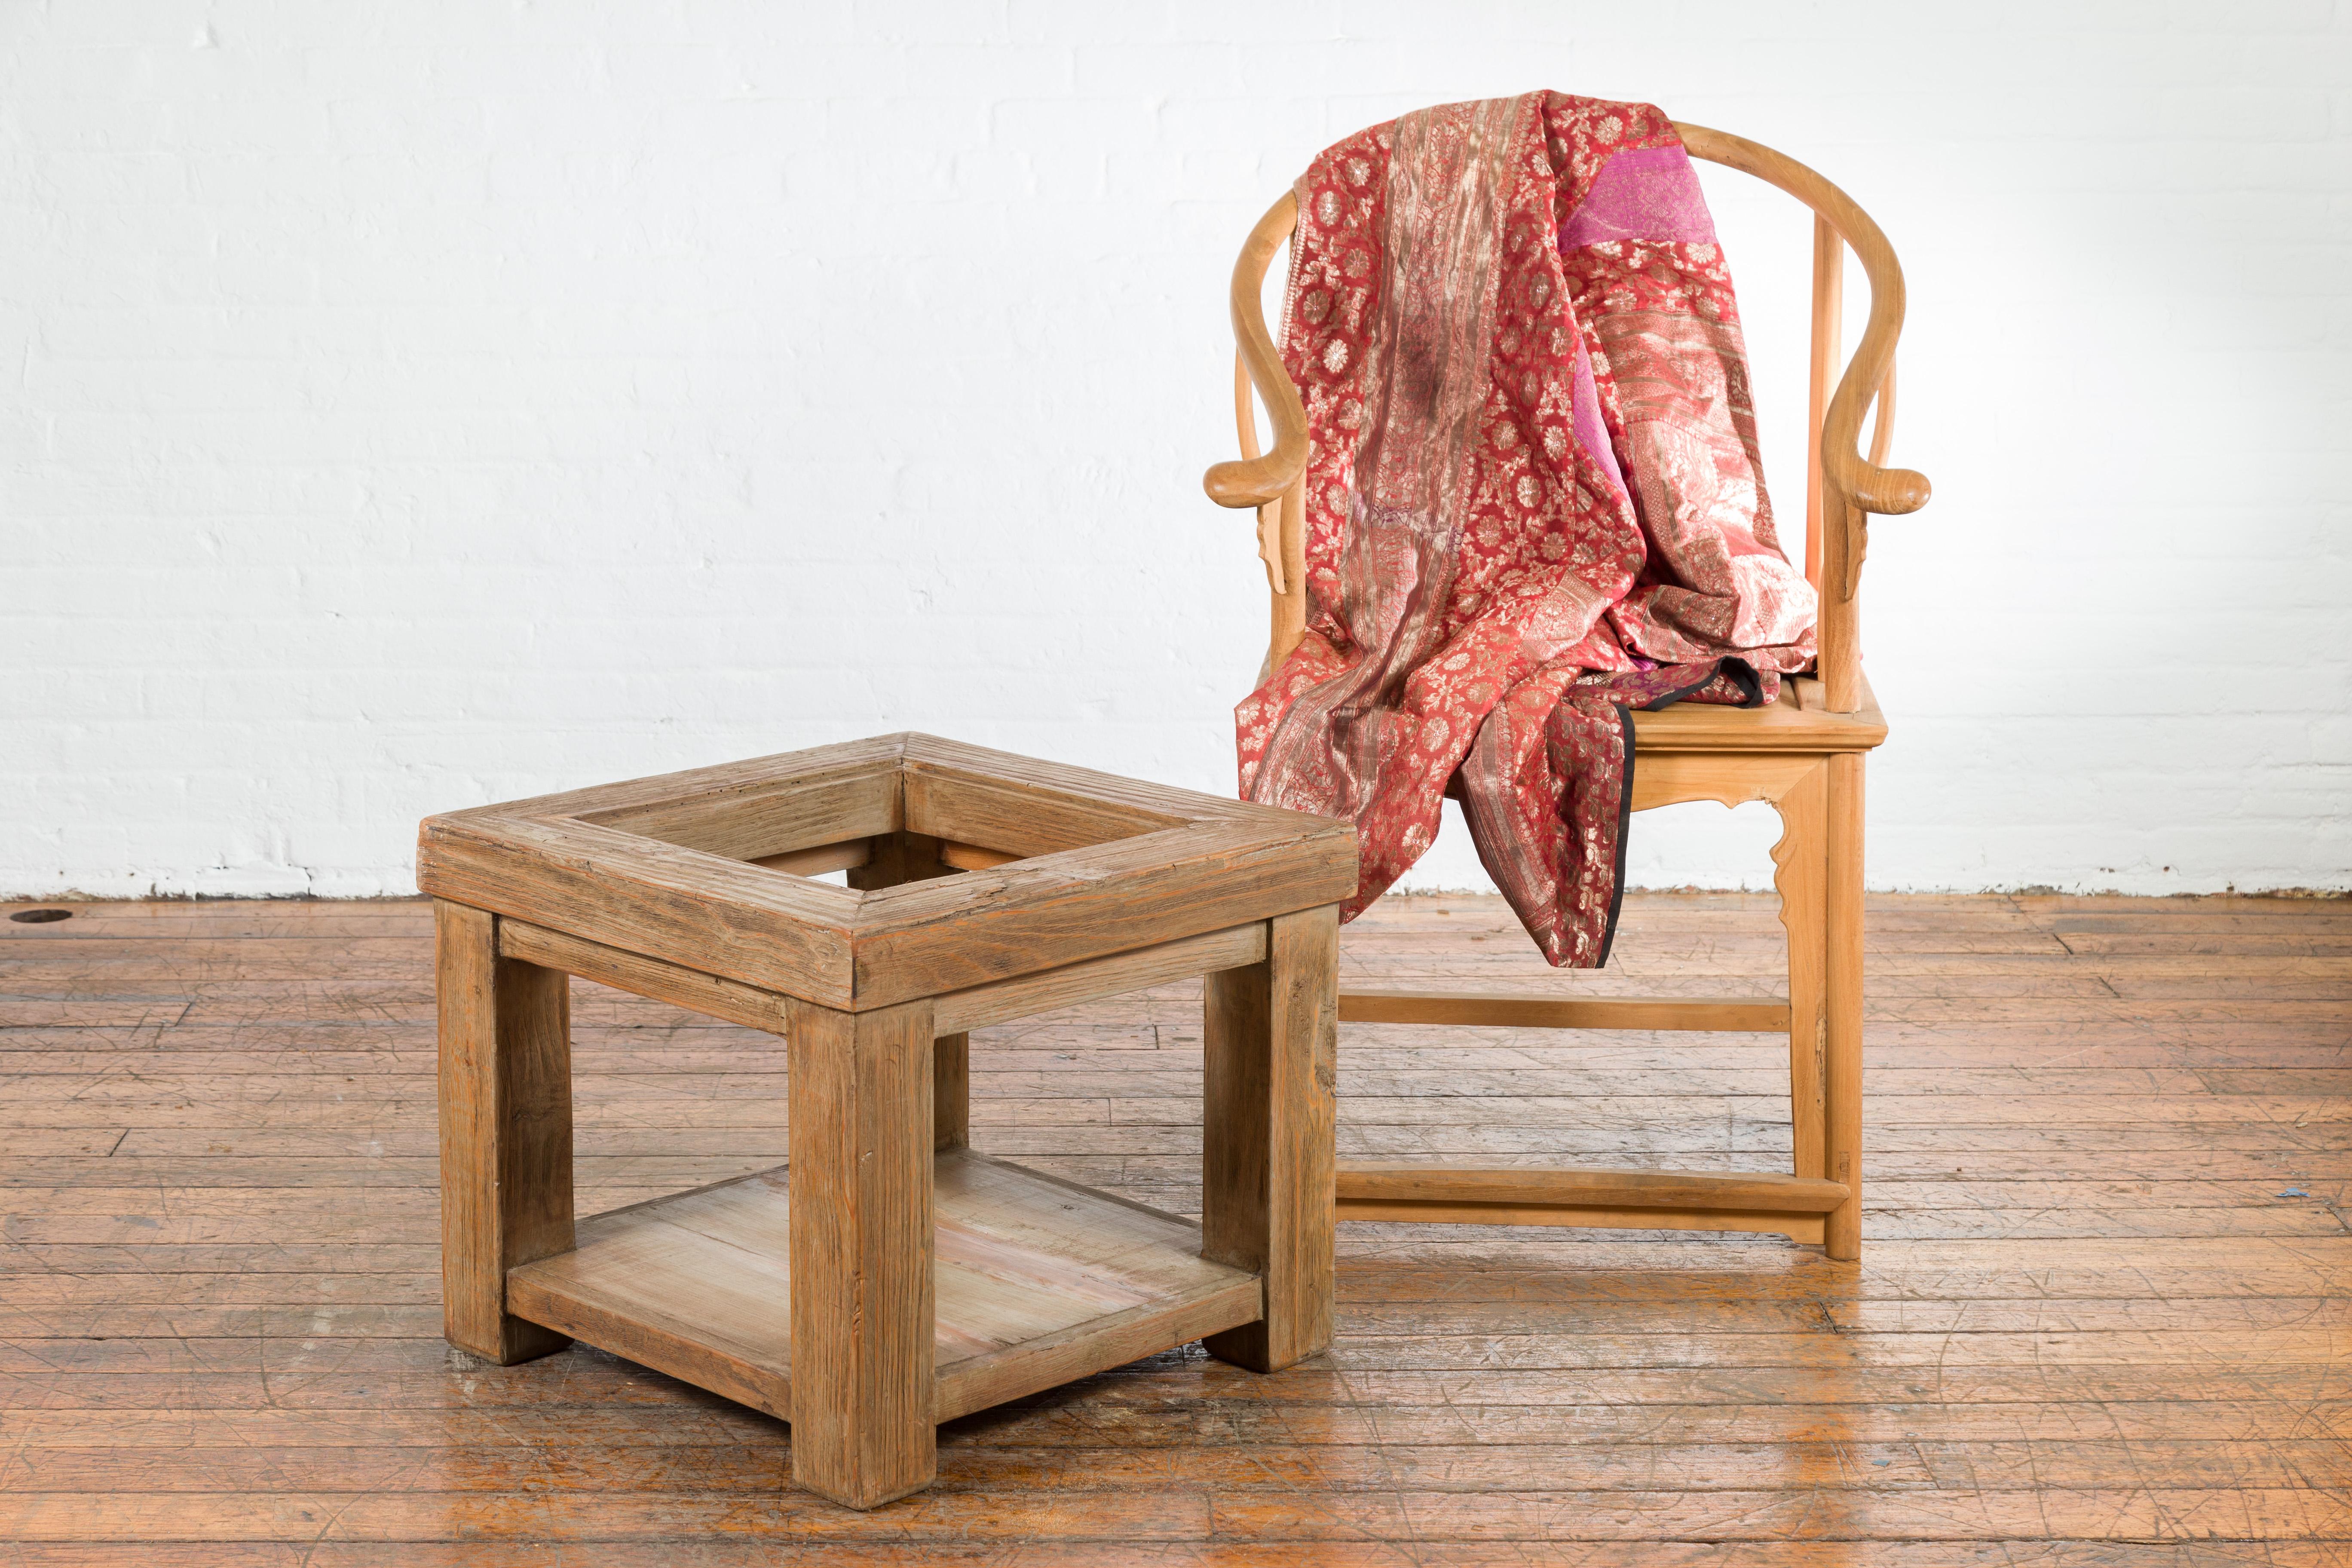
(1649, 193)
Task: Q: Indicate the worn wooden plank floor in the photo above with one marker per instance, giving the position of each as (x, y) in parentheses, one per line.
(2101, 1317)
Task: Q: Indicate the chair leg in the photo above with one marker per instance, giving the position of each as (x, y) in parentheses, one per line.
(1802, 878)
(1270, 1046)
(1842, 1053)
(506, 1131)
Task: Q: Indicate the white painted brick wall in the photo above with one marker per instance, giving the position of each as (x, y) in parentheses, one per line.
(420, 403)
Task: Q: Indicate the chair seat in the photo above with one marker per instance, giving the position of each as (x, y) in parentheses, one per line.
(1797, 722)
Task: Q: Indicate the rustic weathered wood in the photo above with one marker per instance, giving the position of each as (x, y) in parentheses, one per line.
(1034, 780)
(972, 858)
(1019, 818)
(506, 1131)
(862, 1302)
(879, 1086)
(1105, 865)
(1270, 1043)
(951, 1090)
(654, 977)
(897, 858)
(855, 853)
(794, 813)
(959, 933)
(1797, 1225)
(754, 780)
(2087, 1319)
(817, 860)
(703, 912)
(696, 1285)
(1050, 1281)
(1039, 1283)
(1524, 1010)
(1375, 1181)
(1098, 977)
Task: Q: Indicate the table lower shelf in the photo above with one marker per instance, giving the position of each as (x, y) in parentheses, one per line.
(1038, 1282)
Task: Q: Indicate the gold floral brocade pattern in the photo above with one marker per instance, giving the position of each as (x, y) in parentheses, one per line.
(1532, 495)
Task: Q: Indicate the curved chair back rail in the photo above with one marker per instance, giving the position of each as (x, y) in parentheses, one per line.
(1843, 486)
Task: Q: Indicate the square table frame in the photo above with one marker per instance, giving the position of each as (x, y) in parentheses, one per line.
(984, 887)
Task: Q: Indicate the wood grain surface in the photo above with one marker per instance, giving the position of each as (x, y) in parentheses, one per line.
(506, 1129)
(1270, 1034)
(2104, 1319)
(862, 1283)
(1053, 865)
(1038, 1282)
(1072, 983)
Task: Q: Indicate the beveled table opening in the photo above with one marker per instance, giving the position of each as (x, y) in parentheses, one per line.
(887, 1277)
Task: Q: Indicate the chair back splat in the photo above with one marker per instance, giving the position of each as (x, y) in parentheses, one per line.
(1803, 754)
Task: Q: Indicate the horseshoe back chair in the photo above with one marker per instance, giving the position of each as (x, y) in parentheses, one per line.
(1804, 754)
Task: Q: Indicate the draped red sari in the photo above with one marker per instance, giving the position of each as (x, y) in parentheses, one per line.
(1533, 496)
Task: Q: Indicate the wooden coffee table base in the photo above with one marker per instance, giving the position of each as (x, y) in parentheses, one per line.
(1039, 1283)
(887, 1278)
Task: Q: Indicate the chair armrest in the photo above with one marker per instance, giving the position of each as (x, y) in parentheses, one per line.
(1867, 482)
(1255, 481)
(1888, 492)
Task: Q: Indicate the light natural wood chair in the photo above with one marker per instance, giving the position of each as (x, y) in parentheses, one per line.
(1804, 754)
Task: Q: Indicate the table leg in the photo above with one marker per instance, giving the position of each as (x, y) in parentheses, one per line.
(506, 1131)
(1270, 1040)
(952, 1092)
(862, 1311)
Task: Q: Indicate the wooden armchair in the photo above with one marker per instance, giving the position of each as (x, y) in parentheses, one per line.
(1804, 754)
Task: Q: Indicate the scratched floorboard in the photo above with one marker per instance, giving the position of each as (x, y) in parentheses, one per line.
(2103, 1316)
